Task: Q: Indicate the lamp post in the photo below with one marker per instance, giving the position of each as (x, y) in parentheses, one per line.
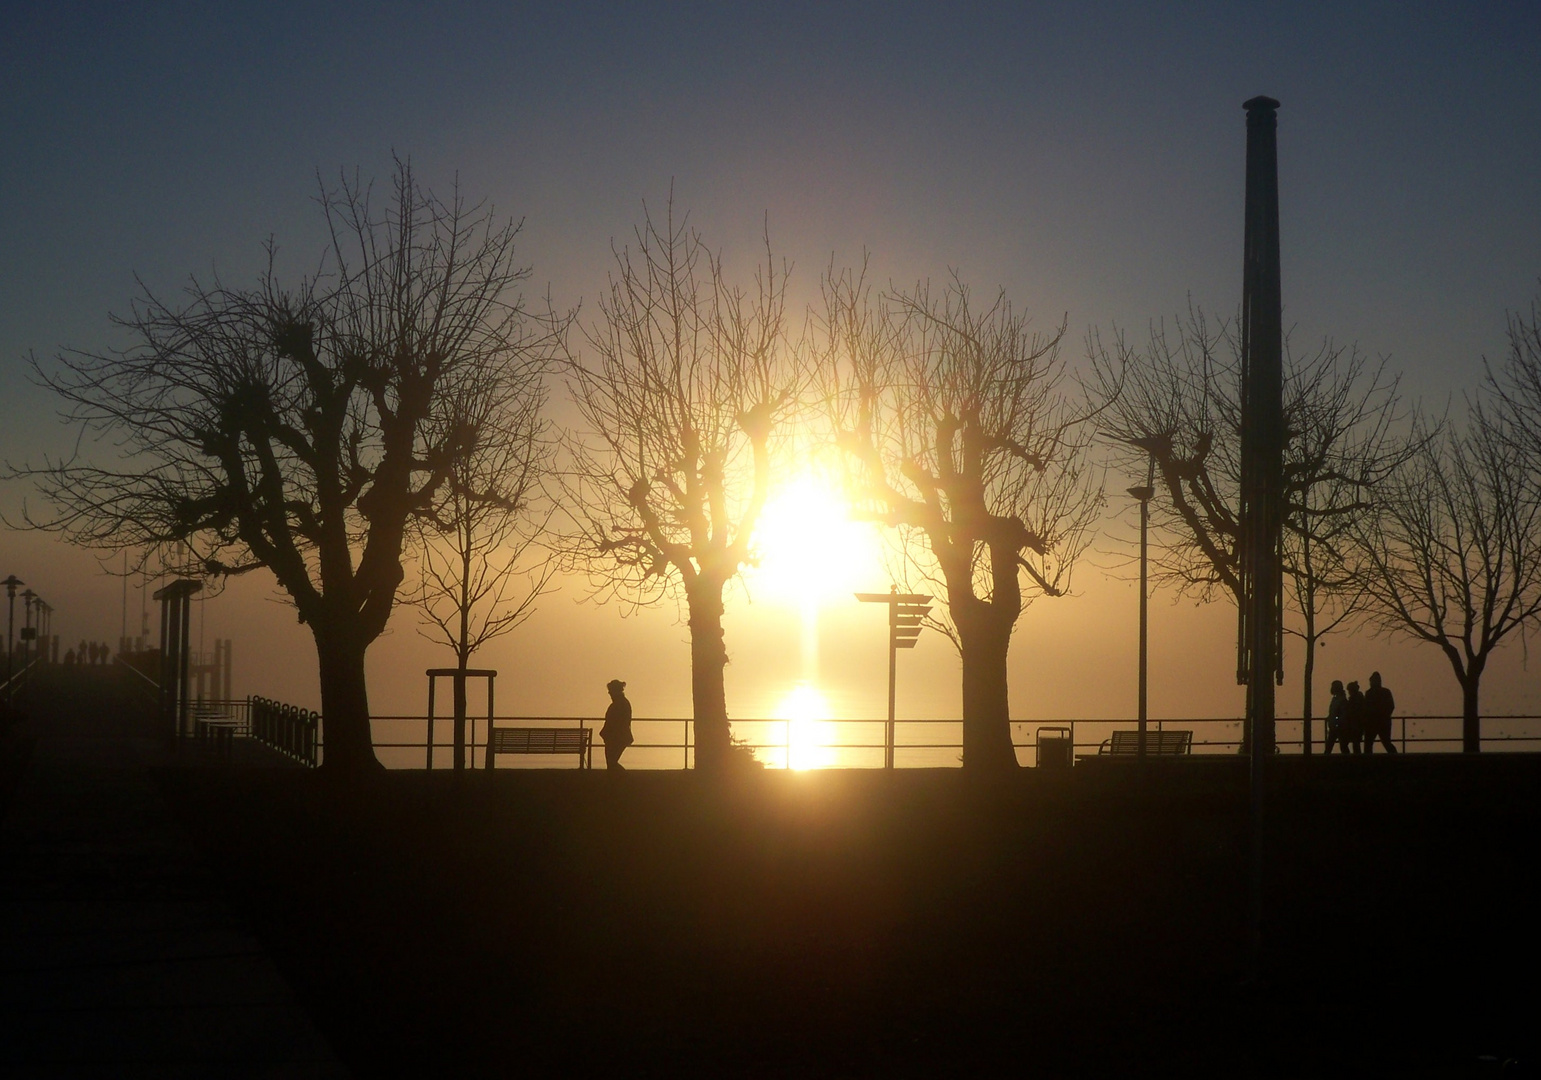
(1144, 495)
(10, 630)
(27, 633)
(49, 653)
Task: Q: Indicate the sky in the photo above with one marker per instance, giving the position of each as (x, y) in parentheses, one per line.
(1085, 158)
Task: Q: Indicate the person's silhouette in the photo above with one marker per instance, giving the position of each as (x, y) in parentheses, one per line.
(616, 732)
(1353, 718)
(1336, 718)
(1378, 707)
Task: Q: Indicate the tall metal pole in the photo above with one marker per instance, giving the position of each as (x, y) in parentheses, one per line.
(1259, 655)
(26, 637)
(185, 645)
(1144, 494)
(905, 612)
(893, 672)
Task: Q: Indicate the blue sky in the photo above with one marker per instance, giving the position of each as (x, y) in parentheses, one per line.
(1085, 157)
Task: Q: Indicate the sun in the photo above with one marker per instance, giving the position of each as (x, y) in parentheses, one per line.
(809, 550)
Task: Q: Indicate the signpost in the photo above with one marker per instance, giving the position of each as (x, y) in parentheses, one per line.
(906, 612)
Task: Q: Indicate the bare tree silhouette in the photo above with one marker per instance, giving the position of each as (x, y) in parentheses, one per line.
(686, 389)
(477, 578)
(299, 429)
(960, 434)
(1453, 555)
(1178, 402)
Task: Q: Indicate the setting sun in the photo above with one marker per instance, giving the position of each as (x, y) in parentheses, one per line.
(810, 551)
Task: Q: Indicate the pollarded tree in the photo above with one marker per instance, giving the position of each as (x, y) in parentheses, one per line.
(299, 429)
(962, 434)
(1177, 404)
(479, 577)
(1452, 556)
(685, 390)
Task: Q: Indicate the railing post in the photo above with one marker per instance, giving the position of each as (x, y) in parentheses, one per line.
(431, 682)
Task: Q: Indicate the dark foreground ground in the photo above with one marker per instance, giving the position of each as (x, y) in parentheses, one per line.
(862, 924)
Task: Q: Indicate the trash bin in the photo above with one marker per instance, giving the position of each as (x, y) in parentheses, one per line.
(1055, 748)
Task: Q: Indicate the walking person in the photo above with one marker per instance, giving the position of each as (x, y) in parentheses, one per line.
(616, 733)
(1335, 719)
(1353, 719)
(1378, 707)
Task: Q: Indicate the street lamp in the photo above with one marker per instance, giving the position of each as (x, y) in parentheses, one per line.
(45, 624)
(1144, 495)
(10, 630)
(27, 633)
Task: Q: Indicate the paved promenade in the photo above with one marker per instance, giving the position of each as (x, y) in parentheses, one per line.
(118, 955)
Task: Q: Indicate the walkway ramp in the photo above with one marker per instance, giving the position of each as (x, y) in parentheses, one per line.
(118, 955)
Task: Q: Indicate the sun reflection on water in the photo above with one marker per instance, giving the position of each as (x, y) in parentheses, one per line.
(806, 729)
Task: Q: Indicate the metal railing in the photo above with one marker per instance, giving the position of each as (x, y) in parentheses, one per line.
(669, 743)
(292, 731)
(401, 741)
(19, 675)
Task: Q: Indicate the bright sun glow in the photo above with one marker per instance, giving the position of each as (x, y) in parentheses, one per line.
(810, 551)
(805, 712)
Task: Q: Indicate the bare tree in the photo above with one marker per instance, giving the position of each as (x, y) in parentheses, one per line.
(962, 436)
(1178, 404)
(298, 429)
(1453, 555)
(477, 578)
(687, 388)
(1515, 385)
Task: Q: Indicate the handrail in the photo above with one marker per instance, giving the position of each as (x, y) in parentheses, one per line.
(124, 663)
(19, 672)
(782, 752)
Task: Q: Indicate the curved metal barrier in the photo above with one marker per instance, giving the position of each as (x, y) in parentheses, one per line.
(292, 731)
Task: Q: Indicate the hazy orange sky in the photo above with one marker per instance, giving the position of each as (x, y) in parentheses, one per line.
(1088, 159)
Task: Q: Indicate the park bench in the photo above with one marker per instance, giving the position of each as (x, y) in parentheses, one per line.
(1168, 743)
(535, 740)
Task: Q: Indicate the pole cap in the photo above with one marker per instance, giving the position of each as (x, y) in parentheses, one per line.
(1254, 104)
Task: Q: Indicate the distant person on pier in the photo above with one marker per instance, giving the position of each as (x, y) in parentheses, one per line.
(1378, 707)
(616, 733)
(1335, 719)
(69, 657)
(1353, 718)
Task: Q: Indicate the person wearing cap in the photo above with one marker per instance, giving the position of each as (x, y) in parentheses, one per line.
(616, 733)
(1378, 707)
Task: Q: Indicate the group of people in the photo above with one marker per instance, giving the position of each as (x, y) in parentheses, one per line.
(92, 652)
(1355, 720)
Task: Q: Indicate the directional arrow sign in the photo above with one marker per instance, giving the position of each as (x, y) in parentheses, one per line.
(906, 611)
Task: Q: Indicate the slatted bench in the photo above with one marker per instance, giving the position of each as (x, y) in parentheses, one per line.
(1169, 743)
(536, 740)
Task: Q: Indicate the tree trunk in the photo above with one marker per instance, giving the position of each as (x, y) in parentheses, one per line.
(708, 658)
(1471, 717)
(349, 745)
(986, 709)
(460, 716)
